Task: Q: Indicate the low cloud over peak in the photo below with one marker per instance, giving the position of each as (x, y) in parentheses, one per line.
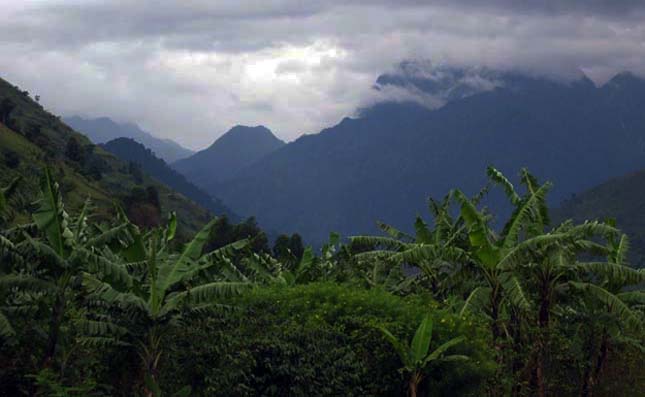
(190, 71)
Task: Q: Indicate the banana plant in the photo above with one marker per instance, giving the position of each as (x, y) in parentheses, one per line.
(523, 240)
(162, 287)
(614, 301)
(263, 268)
(417, 357)
(62, 249)
(437, 252)
(525, 254)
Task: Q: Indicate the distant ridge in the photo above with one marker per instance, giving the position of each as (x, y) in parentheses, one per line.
(104, 129)
(131, 151)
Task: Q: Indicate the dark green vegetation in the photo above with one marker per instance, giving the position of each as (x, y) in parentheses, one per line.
(234, 151)
(31, 138)
(103, 307)
(103, 130)
(131, 151)
(383, 164)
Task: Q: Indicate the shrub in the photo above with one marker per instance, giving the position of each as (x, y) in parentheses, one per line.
(315, 340)
(11, 159)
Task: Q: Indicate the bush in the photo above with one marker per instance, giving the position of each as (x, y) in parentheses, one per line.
(11, 159)
(315, 340)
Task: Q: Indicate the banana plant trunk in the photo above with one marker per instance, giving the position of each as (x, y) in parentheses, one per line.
(494, 314)
(593, 373)
(54, 330)
(150, 355)
(518, 366)
(414, 382)
(544, 319)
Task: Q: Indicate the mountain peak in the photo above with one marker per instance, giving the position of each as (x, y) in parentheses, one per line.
(241, 135)
(258, 130)
(238, 148)
(241, 127)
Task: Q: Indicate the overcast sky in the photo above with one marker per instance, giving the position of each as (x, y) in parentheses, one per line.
(189, 70)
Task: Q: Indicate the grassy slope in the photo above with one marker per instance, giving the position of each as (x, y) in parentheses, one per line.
(116, 181)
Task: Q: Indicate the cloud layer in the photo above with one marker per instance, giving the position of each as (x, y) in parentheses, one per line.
(191, 70)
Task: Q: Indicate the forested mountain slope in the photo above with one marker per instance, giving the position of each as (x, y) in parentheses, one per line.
(133, 152)
(621, 198)
(32, 138)
(384, 164)
(237, 149)
(103, 129)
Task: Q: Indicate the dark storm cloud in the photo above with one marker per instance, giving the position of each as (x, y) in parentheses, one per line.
(595, 7)
(247, 25)
(199, 67)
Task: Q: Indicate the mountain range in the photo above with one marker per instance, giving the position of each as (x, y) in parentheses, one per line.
(438, 130)
(103, 129)
(384, 164)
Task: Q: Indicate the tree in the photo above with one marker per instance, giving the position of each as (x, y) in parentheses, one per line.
(11, 159)
(438, 252)
(224, 233)
(33, 131)
(523, 258)
(288, 249)
(609, 299)
(134, 169)
(55, 258)
(74, 151)
(153, 196)
(416, 356)
(6, 107)
(162, 287)
(532, 269)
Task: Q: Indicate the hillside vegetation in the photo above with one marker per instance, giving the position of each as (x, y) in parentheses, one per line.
(32, 138)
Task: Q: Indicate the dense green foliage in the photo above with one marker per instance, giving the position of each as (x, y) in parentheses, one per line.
(318, 339)
(90, 307)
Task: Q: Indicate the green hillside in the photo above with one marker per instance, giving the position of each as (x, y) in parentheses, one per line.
(32, 138)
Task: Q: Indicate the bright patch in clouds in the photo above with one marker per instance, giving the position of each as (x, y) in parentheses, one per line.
(191, 70)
